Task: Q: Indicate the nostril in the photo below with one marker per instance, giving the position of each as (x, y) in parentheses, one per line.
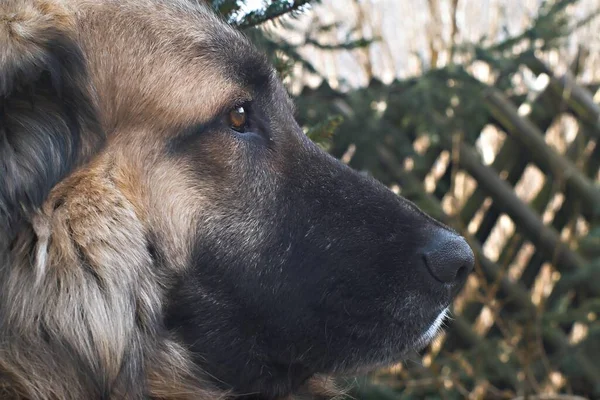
(462, 273)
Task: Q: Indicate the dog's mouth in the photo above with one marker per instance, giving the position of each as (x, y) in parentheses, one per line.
(428, 333)
(432, 331)
(404, 351)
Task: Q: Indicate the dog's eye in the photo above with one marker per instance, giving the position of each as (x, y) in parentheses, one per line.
(238, 118)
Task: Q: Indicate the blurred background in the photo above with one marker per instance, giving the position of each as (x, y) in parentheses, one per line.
(486, 113)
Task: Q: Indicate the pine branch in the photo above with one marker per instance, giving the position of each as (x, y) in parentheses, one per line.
(550, 24)
(350, 45)
(226, 7)
(323, 132)
(273, 11)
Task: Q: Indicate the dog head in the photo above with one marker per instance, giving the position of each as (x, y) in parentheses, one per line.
(151, 161)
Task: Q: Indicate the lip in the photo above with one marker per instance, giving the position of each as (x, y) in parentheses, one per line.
(398, 355)
(432, 331)
(435, 313)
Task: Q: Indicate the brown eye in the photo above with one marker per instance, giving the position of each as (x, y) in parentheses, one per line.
(238, 118)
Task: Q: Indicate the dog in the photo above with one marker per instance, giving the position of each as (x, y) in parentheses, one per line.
(167, 230)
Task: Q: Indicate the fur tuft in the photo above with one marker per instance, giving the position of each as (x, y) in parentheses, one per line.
(44, 106)
(27, 30)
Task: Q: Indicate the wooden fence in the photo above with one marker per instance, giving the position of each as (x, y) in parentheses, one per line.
(527, 320)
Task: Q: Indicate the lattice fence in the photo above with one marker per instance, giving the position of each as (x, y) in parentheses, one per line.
(527, 320)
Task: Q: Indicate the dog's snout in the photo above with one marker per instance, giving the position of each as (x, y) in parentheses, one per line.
(449, 258)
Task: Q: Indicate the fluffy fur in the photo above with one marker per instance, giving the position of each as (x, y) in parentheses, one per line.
(148, 250)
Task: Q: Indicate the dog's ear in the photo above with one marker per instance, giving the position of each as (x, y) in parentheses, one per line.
(48, 124)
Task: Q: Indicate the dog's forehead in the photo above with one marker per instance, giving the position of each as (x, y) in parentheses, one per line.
(174, 60)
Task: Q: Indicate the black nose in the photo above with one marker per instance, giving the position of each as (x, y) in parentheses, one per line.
(449, 258)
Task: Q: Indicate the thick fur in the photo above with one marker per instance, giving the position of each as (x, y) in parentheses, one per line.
(41, 138)
(147, 250)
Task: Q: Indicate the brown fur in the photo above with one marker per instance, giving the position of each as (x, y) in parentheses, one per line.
(79, 278)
